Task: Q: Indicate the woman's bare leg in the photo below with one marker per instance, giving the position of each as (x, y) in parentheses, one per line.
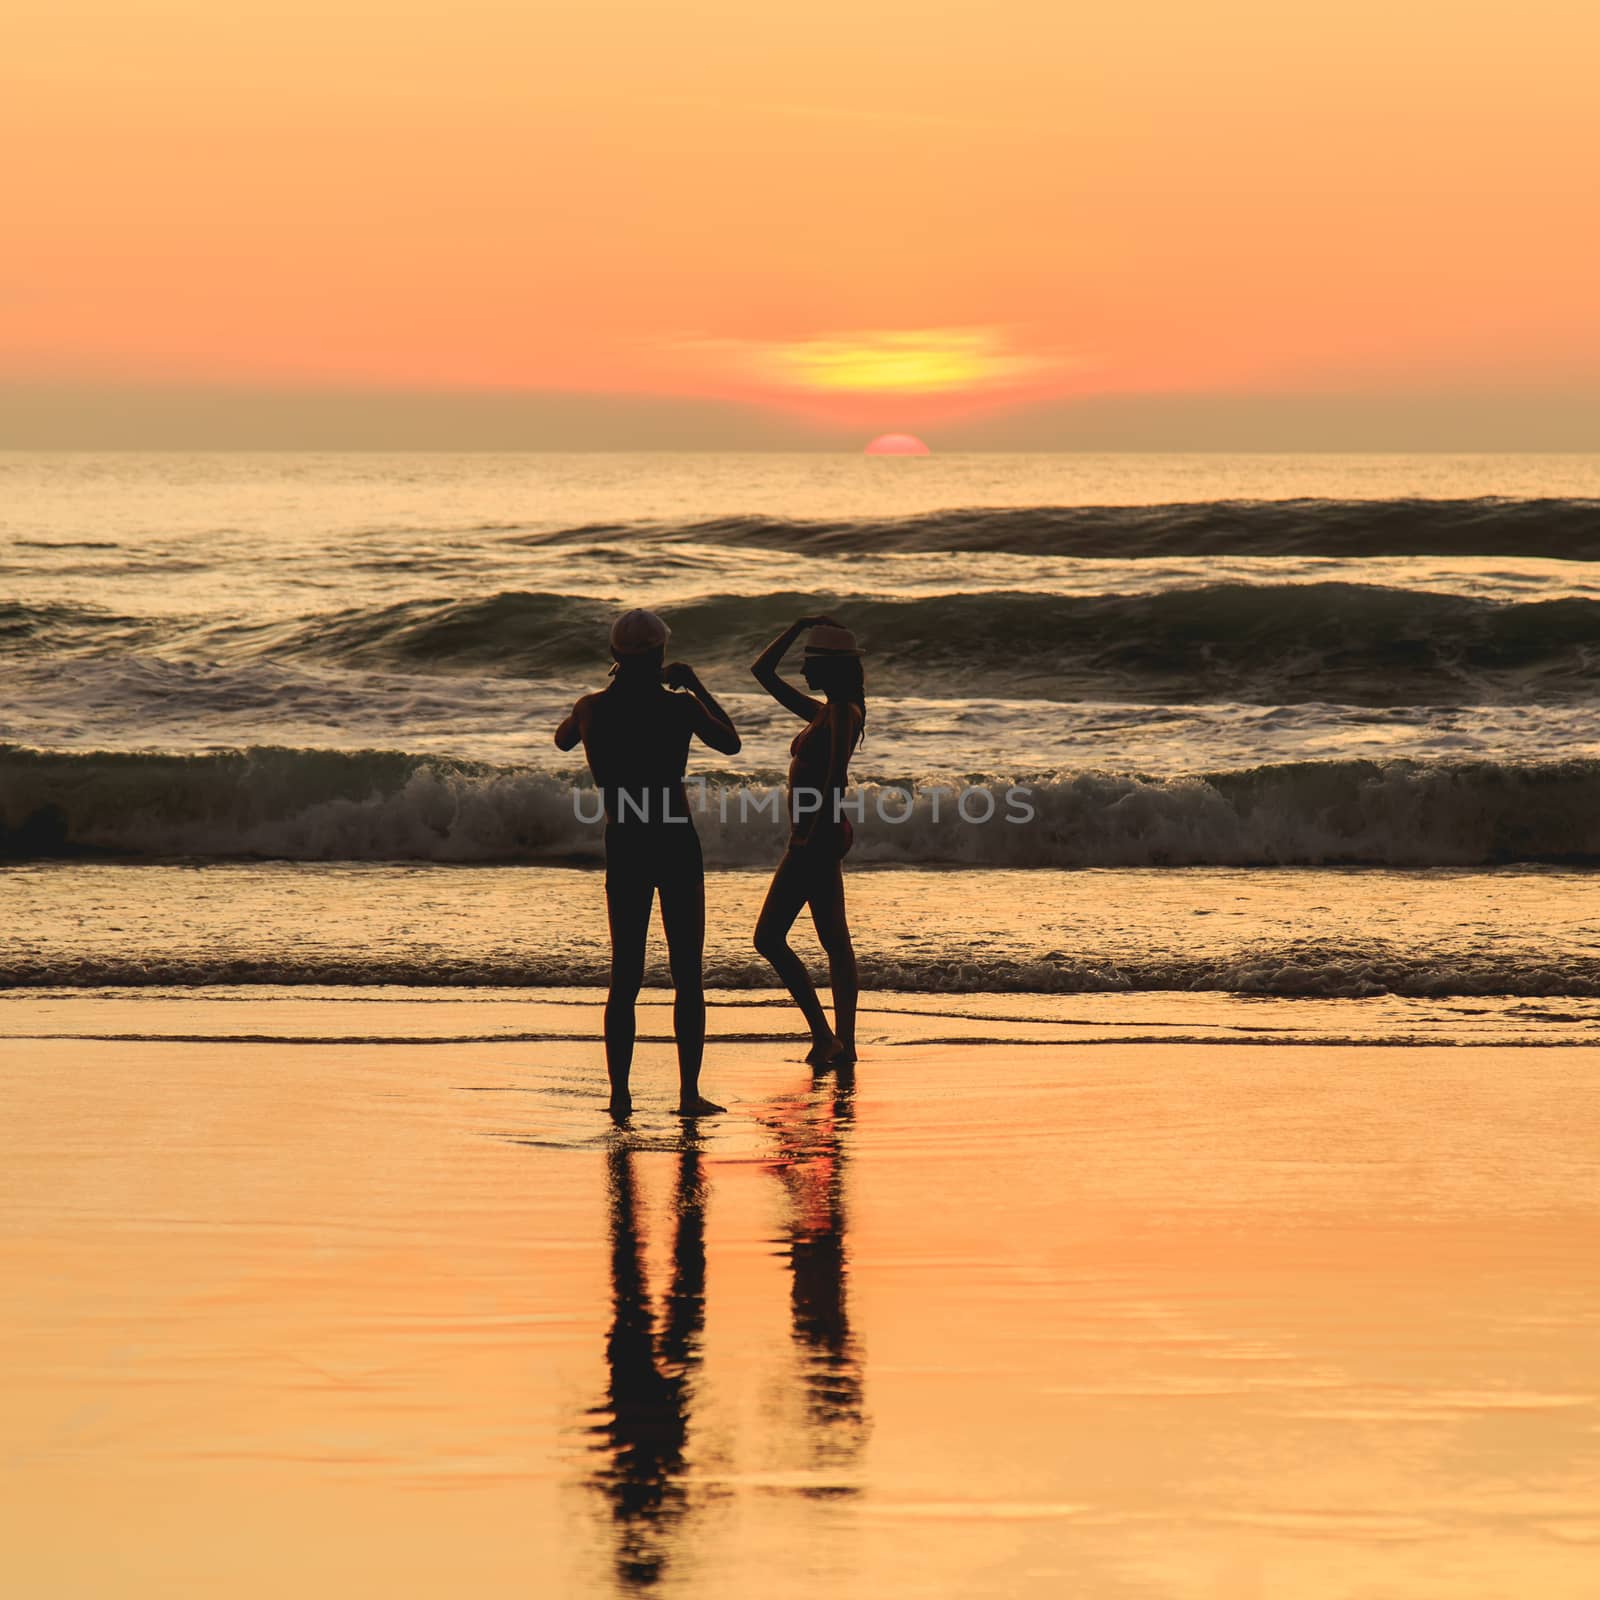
(833, 929)
(791, 888)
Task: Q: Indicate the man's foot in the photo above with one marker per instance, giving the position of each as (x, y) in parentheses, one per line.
(844, 1055)
(696, 1105)
(620, 1105)
(822, 1051)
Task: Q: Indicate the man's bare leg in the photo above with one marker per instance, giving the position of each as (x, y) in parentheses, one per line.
(683, 920)
(628, 911)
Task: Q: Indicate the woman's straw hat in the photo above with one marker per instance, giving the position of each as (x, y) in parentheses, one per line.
(827, 640)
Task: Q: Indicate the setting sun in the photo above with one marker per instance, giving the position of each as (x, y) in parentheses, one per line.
(897, 444)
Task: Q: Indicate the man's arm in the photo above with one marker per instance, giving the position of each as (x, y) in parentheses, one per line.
(572, 725)
(708, 721)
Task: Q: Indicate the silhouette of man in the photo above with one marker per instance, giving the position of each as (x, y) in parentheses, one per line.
(636, 735)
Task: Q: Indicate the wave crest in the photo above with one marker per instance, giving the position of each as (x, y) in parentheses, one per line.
(1275, 644)
(1551, 527)
(1352, 644)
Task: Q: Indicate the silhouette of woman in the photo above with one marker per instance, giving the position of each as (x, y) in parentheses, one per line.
(811, 871)
(811, 1133)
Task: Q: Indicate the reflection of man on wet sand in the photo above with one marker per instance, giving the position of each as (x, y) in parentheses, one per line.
(636, 736)
(646, 1414)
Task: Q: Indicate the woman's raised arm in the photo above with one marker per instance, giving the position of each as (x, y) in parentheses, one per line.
(765, 668)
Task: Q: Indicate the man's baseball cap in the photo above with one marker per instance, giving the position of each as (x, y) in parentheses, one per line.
(637, 632)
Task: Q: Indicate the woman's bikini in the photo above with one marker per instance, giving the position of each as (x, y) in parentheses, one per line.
(809, 755)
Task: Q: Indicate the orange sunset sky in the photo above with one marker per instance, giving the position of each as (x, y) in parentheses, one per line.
(771, 222)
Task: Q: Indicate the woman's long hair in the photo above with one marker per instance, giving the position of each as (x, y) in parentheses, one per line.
(848, 679)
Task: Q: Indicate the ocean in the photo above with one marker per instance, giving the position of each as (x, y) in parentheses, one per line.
(1212, 1211)
(1284, 725)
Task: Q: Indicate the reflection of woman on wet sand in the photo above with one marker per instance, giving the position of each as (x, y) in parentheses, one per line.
(811, 871)
(811, 1147)
(645, 1419)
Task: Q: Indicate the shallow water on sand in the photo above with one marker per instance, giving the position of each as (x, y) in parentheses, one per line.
(1513, 932)
(1118, 1319)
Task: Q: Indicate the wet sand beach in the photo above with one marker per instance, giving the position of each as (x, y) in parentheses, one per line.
(321, 1293)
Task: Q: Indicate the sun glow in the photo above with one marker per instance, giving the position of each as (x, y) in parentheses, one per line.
(897, 444)
(753, 232)
(913, 361)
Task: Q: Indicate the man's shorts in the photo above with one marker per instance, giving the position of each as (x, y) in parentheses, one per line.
(666, 855)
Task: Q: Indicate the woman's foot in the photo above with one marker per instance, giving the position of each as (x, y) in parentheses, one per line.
(696, 1105)
(620, 1106)
(844, 1055)
(822, 1051)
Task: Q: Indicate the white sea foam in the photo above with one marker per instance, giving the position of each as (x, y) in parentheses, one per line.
(391, 806)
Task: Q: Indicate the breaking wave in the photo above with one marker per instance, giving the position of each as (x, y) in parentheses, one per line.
(321, 805)
(1561, 529)
(1349, 644)
(1275, 644)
